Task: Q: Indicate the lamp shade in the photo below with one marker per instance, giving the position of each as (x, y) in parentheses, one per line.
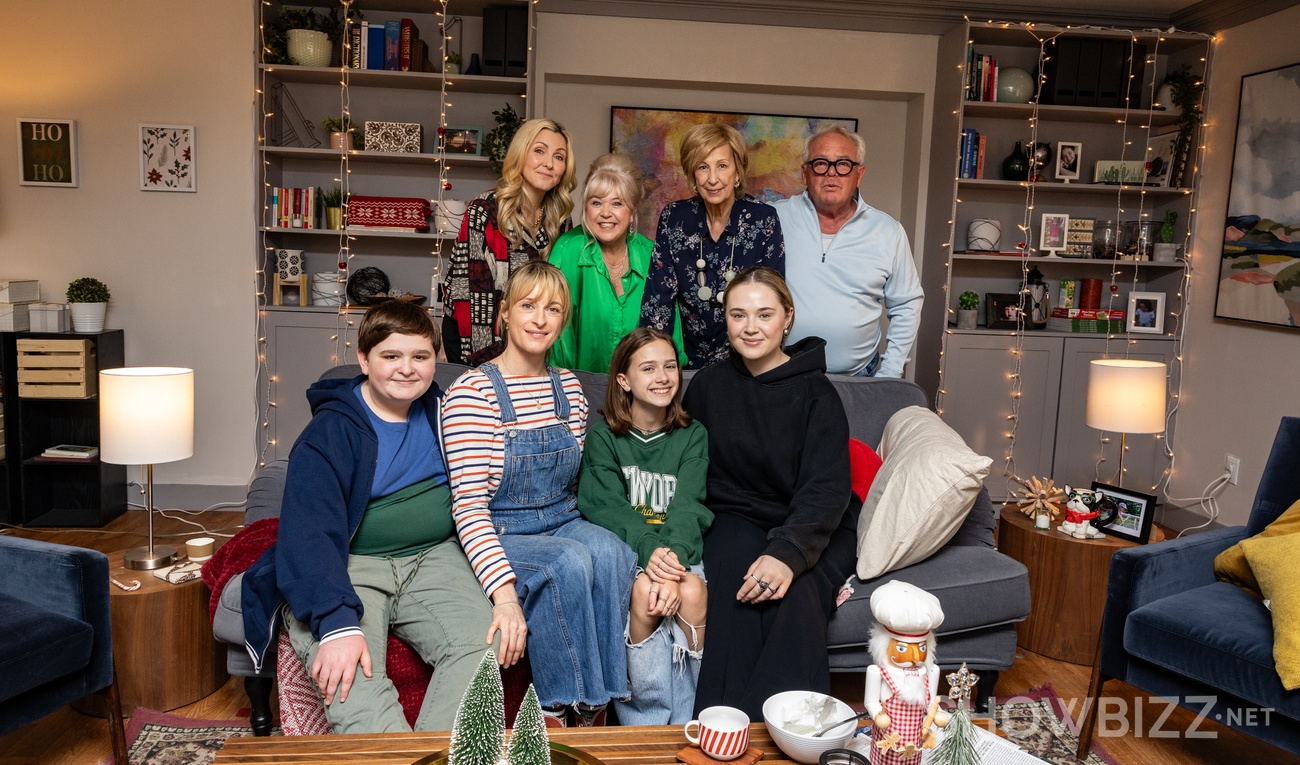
(1126, 395)
(146, 415)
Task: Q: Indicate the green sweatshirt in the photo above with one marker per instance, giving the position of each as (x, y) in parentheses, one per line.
(649, 490)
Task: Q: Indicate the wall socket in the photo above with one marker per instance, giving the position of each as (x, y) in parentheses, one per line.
(1232, 464)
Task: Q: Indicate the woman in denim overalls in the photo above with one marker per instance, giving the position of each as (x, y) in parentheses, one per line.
(513, 430)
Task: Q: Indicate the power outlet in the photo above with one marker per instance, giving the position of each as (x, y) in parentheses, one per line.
(1232, 464)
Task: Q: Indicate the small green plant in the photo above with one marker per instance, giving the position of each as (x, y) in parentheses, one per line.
(454, 58)
(338, 125)
(333, 197)
(498, 139)
(968, 301)
(1167, 228)
(1187, 89)
(87, 290)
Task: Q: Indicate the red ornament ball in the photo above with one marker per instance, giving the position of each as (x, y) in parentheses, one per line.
(1114, 288)
(446, 185)
(442, 131)
(343, 265)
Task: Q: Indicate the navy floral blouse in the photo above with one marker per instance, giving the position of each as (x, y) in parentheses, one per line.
(752, 238)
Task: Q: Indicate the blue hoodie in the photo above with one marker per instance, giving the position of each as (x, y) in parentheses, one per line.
(327, 489)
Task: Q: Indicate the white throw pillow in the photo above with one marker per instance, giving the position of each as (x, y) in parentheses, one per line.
(920, 496)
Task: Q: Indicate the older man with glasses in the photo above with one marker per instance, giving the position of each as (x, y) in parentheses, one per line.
(848, 264)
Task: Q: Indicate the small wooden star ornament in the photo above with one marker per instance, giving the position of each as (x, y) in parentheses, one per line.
(1041, 497)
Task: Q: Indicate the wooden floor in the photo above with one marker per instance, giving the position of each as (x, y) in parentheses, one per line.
(69, 738)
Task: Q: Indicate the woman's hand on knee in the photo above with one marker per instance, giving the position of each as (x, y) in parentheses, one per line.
(508, 619)
(767, 579)
(665, 599)
(664, 566)
(335, 666)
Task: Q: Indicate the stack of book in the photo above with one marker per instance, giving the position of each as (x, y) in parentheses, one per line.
(295, 208)
(1086, 320)
(71, 452)
(16, 297)
(392, 45)
(981, 76)
(971, 164)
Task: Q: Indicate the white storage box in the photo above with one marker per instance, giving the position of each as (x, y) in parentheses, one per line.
(13, 317)
(19, 290)
(50, 317)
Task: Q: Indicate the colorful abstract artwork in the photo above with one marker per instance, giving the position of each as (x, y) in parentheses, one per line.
(650, 138)
(1259, 274)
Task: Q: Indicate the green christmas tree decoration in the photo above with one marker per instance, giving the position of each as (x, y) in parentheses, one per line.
(478, 736)
(958, 744)
(528, 743)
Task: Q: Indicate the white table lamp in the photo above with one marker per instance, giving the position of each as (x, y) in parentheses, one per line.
(146, 417)
(1126, 396)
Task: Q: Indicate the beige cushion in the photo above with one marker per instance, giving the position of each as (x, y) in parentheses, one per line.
(921, 495)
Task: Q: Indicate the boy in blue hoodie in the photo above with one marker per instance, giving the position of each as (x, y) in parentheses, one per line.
(366, 544)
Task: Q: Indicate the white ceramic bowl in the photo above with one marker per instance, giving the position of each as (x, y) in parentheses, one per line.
(804, 747)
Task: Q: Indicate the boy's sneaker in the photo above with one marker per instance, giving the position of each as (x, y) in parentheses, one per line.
(555, 718)
(588, 717)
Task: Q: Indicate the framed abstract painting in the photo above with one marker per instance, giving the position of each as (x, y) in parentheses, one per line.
(1259, 270)
(650, 138)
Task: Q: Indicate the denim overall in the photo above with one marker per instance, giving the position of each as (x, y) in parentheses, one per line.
(574, 578)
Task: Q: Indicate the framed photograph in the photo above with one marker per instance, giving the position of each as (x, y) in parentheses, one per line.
(1160, 159)
(650, 138)
(1135, 512)
(1146, 313)
(47, 152)
(1260, 259)
(461, 140)
(1054, 234)
(1126, 172)
(1003, 310)
(167, 158)
(1069, 157)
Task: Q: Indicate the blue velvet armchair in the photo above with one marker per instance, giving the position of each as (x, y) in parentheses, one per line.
(56, 642)
(1173, 631)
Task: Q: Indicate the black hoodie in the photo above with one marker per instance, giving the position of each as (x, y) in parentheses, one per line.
(778, 450)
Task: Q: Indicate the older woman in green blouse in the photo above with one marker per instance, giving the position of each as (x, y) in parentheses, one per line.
(605, 262)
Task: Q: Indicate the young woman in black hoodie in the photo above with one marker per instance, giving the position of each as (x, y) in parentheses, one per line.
(783, 536)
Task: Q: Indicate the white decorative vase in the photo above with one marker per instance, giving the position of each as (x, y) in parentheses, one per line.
(307, 47)
(1165, 98)
(326, 289)
(88, 317)
(983, 235)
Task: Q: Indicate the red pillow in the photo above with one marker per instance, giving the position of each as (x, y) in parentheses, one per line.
(864, 463)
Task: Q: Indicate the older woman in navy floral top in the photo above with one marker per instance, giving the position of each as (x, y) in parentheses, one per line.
(704, 241)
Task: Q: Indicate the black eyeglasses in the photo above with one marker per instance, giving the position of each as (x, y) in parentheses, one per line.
(823, 166)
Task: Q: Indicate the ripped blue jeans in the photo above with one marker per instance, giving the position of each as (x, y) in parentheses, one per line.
(662, 672)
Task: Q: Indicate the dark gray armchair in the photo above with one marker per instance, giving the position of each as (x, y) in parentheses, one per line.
(56, 642)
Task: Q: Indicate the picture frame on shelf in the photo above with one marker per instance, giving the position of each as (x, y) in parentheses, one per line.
(1054, 233)
(1160, 159)
(1127, 172)
(1003, 310)
(47, 153)
(1136, 512)
(1069, 158)
(461, 139)
(167, 158)
(1146, 313)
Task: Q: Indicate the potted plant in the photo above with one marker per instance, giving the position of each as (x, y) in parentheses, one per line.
(453, 63)
(498, 138)
(342, 132)
(88, 300)
(968, 304)
(1185, 90)
(304, 36)
(333, 201)
(1165, 250)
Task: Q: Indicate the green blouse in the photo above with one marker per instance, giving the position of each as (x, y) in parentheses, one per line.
(599, 318)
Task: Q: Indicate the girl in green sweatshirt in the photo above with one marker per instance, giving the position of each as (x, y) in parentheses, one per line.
(643, 477)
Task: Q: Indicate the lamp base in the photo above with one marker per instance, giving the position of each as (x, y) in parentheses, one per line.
(140, 559)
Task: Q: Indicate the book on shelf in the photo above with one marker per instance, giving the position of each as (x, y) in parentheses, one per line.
(356, 56)
(1086, 326)
(1088, 313)
(374, 45)
(71, 451)
(392, 45)
(293, 204)
(405, 43)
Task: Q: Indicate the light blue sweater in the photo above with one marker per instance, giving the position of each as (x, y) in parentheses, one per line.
(841, 294)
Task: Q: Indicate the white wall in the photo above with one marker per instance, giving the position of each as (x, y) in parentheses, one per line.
(179, 265)
(1239, 379)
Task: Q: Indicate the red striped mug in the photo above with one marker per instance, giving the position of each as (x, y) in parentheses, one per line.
(723, 732)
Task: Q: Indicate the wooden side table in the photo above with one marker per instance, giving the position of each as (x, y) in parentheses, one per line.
(163, 648)
(1067, 585)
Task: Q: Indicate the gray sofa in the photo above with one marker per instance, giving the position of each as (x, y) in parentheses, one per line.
(983, 592)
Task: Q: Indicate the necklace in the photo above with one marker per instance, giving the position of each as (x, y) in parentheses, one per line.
(704, 292)
(650, 431)
(536, 404)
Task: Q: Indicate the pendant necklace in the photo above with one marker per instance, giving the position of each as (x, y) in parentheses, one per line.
(704, 293)
(536, 404)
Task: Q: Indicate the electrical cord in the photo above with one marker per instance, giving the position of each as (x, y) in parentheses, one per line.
(1208, 501)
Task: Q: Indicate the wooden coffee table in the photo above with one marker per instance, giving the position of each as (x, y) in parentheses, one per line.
(615, 745)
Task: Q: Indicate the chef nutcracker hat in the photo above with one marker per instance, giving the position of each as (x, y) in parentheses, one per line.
(906, 612)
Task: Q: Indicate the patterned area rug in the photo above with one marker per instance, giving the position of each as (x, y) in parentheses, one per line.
(1035, 720)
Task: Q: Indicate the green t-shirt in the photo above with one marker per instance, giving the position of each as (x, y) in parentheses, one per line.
(649, 490)
(599, 318)
(406, 522)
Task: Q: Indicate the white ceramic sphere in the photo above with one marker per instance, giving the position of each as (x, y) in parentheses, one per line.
(1015, 85)
(804, 747)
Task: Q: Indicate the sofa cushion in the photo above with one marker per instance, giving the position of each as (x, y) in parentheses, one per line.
(1231, 566)
(40, 646)
(1217, 635)
(921, 495)
(978, 587)
(1273, 561)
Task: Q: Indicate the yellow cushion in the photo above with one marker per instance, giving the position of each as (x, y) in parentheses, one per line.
(1231, 566)
(1273, 558)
